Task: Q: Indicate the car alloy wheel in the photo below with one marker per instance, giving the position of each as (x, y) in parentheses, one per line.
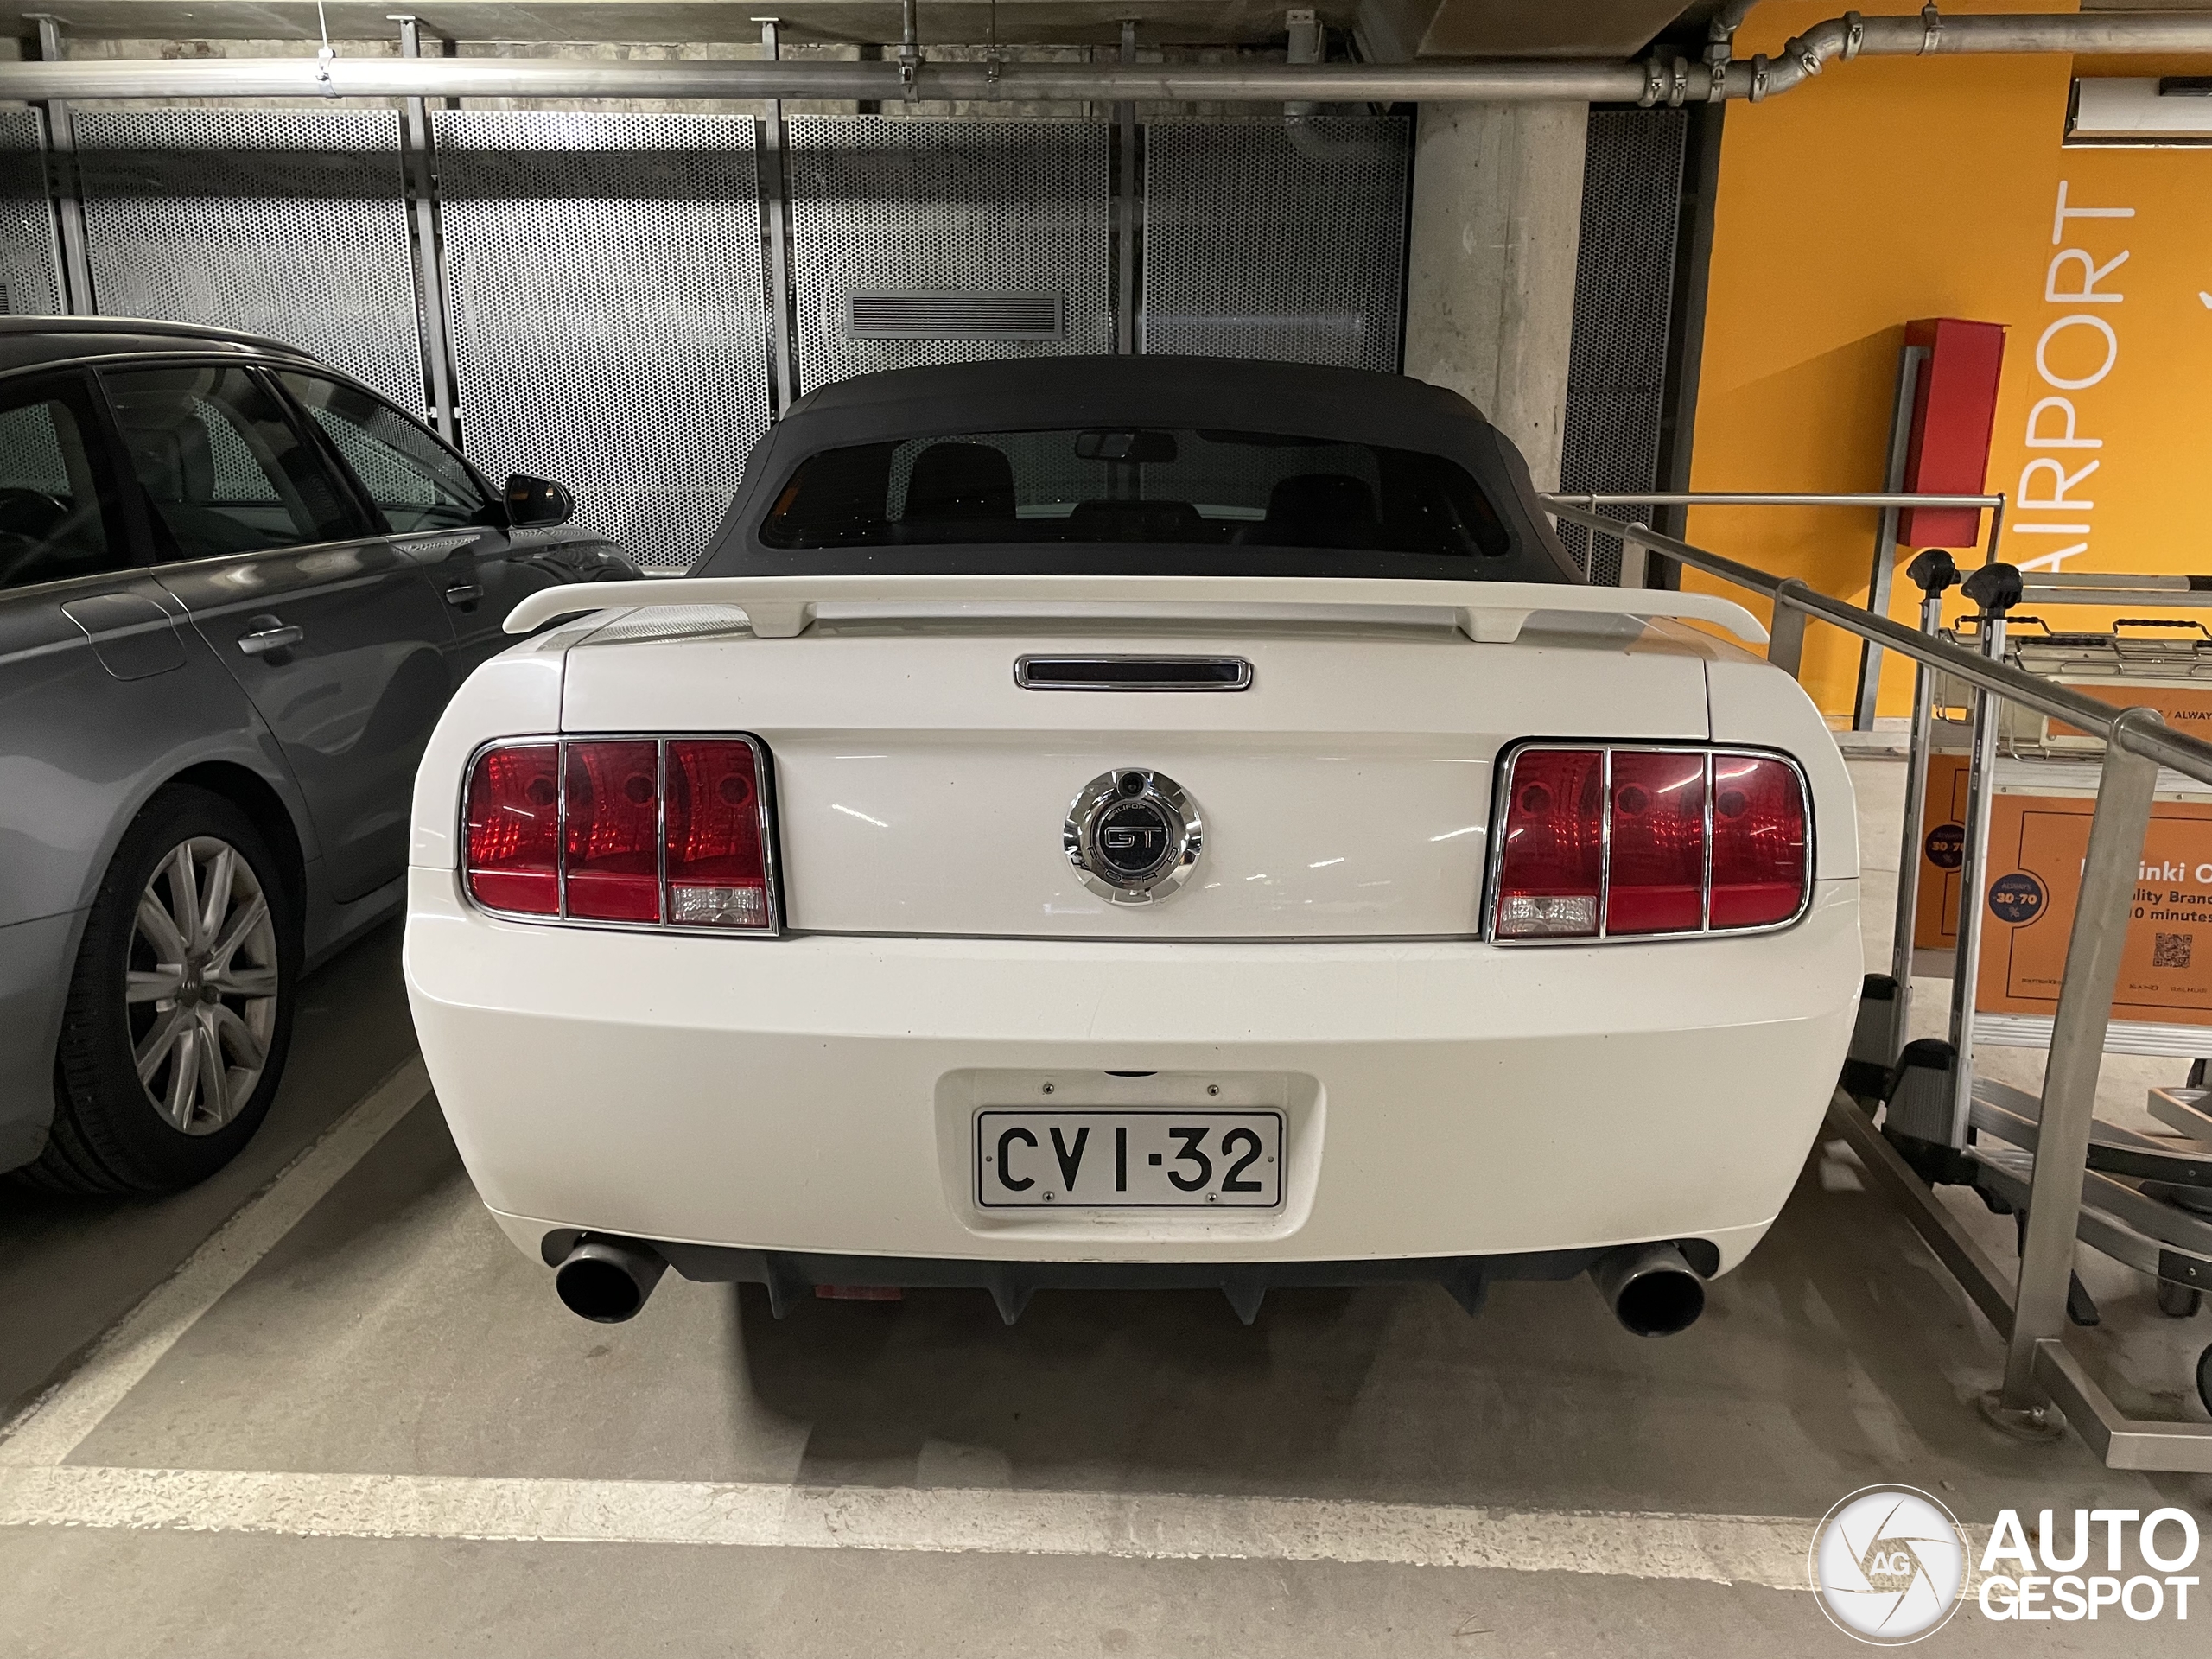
(202, 984)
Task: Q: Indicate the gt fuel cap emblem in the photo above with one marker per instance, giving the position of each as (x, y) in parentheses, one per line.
(1132, 835)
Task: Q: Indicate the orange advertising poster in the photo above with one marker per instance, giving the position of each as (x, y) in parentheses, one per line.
(1942, 848)
(2037, 844)
(2184, 708)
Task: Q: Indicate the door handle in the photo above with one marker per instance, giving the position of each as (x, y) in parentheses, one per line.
(262, 641)
(464, 594)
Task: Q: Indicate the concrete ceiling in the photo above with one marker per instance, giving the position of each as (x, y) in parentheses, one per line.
(1390, 30)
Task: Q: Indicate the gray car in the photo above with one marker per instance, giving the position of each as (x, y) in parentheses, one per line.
(237, 587)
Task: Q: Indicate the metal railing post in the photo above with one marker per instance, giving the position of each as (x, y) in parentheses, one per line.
(1785, 646)
(1994, 589)
(1933, 571)
(2077, 1047)
(1885, 535)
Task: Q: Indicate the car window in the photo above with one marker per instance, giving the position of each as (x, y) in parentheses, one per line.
(221, 465)
(1167, 487)
(51, 525)
(414, 479)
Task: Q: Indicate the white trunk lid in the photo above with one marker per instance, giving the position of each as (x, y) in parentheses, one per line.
(1346, 793)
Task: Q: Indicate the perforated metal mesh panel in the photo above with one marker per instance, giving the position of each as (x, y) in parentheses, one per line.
(284, 222)
(1276, 239)
(28, 285)
(1623, 291)
(609, 319)
(889, 204)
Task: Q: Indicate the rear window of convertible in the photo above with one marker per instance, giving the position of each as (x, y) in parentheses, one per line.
(1156, 486)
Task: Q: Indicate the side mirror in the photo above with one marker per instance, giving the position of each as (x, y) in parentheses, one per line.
(538, 501)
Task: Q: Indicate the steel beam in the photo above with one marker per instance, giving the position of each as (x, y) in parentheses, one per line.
(66, 181)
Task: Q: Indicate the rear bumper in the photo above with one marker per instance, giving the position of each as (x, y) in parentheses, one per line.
(816, 1095)
(788, 1276)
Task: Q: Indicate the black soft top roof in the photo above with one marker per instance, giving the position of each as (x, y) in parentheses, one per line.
(1302, 399)
(1048, 393)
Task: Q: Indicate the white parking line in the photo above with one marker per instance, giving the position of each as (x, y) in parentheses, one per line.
(56, 1423)
(1715, 1548)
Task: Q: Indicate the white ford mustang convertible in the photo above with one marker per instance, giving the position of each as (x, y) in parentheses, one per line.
(1134, 821)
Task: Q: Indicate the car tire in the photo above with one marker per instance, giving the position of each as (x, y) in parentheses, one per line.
(180, 1007)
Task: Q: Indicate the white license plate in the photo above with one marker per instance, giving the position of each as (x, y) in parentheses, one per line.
(1149, 1158)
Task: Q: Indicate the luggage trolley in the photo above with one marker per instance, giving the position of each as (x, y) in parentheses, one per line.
(2031, 778)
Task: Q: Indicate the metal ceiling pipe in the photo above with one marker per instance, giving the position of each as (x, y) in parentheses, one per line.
(1933, 34)
(1658, 80)
(672, 78)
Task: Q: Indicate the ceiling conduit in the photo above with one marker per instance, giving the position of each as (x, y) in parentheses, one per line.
(1658, 80)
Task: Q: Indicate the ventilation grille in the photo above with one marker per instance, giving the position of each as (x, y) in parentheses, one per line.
(1623, 298)
(881, 205)
(953, 316)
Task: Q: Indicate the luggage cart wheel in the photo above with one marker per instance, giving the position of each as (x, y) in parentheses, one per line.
(2179, 1301)
(2204, 1376)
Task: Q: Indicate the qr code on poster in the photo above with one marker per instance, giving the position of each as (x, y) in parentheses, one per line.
(2171, 949)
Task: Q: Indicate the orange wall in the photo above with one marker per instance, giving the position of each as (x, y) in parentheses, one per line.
(1891, 189)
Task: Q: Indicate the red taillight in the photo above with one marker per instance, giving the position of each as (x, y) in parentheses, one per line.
(514, 829)
(1553, 869)
(610, 830)
(643, 830)
(718, 864)
(1758, 840)
(1656, 880)
(1610, 844)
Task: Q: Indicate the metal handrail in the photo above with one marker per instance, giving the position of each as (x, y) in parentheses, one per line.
(2031, 1315)
(1888, 502)
(1772, 499)
(2191, 756)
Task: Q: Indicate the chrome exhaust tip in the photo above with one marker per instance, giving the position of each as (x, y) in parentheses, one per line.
(1651, 1289)
(606, 1280)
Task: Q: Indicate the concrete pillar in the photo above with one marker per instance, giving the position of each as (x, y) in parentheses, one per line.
(1490, 282)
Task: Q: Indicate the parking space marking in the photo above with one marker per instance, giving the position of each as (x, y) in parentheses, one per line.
(1759, 1550)
(54, 1424)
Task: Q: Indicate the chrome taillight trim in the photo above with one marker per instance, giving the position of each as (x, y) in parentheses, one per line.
(1501, 797)
(765, 801)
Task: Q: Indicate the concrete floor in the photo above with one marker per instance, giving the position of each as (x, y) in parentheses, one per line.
(403, 1435)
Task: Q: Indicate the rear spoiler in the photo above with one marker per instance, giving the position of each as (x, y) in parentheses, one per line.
(780, 607)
